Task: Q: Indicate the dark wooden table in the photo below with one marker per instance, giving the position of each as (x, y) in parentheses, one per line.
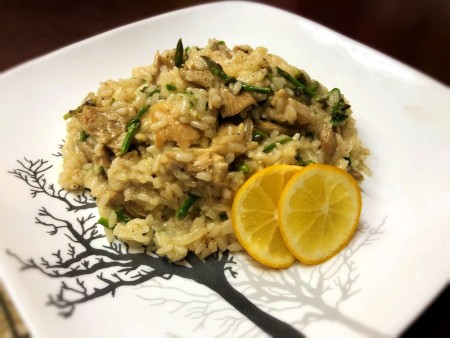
(416, 32)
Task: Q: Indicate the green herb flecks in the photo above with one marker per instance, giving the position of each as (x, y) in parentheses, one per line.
(259, 135)
(101, 170)
(83, 136)
(104, 221)
(179, 54)
(132, 127)
(171, 87)
(309, 91)
(121, 215)
(301, 162)
(183, 210)
(242, 166)
(272, 146)
(218, 72)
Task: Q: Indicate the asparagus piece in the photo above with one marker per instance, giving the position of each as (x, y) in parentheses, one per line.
(307, 90)
(272, 146)
(217, 70)
(132, 127)
(183, 210)
(179, 54)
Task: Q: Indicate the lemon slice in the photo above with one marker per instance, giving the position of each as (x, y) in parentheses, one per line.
(319, 212)
(255, 215)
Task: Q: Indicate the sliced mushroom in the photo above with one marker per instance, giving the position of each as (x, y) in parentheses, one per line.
(269, 127)
(107, 126)
(183, 134)
(115, 199)
(203, 78)
(134, 209)
(159, 61)
(281, 102)
(234, 104)
(328, 141)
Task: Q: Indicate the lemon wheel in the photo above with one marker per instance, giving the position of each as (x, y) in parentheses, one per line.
(255, 215)
(319, 212)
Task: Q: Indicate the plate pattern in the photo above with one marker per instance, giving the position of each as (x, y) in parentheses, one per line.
(251, 299)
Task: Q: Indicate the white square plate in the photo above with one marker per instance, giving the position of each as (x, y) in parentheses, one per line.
(67, 282)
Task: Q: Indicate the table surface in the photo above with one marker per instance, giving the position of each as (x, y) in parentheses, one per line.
(415, 32)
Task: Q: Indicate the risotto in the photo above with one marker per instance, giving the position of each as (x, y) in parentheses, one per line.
(165, 151)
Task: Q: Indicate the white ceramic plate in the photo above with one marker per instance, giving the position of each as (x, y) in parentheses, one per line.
(66, 283)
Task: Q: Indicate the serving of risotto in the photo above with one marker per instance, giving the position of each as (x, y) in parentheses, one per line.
(165, 151)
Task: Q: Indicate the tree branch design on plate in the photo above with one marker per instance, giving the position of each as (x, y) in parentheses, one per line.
(92, 269)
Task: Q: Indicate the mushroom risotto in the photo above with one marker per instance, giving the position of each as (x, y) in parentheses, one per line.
(164, 151)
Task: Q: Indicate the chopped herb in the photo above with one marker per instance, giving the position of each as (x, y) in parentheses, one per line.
(221, 42)
(121, 215)
(272, 146)
(179, 54)
(83, 136)
(183, 210)
(241, 166)
(143, 89)
(310, 91)
(104, 221)
(259, 135)
(132, 127)
(101, 170)
(244, 168)
(302, 162)
(171, 87)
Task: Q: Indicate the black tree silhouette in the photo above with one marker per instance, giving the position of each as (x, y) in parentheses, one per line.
(117, 265)
(310, 295)
(33, 174)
